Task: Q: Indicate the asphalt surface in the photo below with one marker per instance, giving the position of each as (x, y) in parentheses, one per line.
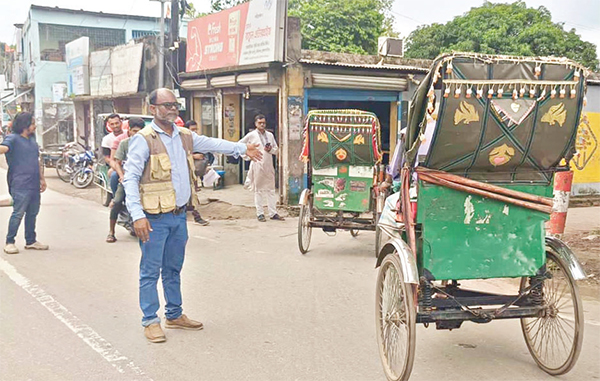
(71, 313)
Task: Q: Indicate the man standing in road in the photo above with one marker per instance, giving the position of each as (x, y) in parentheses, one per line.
(159, 181)
(25, 181)
(261, 176)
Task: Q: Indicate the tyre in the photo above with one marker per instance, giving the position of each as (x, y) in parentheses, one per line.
(354, 232)
(304, 229)
(83, 178)
(105, 196)
(554, 337)
(395, 320)
(62, 170)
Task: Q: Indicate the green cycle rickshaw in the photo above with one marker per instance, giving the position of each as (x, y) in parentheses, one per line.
(341, 152)
(474, 206)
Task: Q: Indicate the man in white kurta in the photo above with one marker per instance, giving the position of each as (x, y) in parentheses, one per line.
(261, 177)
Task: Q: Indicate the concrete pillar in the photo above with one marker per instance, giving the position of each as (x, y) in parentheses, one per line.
(292, 111)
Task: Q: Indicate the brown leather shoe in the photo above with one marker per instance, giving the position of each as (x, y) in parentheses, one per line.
(183, 322)
(154, 333)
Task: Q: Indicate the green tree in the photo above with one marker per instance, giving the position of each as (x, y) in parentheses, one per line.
(219, 5)
(215, 6)
(512, 29)
(347, 26)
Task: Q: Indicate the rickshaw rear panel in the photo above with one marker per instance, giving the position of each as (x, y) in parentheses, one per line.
(345, 188)
(466, 236)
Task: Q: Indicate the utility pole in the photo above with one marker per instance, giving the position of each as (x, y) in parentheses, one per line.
(161, 45)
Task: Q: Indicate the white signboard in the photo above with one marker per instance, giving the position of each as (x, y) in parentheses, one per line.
(100, 73)
(125, 64)
(77, 56)
(59, 92)
(261, 33)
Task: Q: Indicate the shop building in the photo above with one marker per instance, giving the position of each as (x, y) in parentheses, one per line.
(586, 162)
(44, 75)
(236, 69)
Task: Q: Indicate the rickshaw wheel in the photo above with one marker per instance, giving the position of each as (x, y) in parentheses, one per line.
(304, 229)
(61, 170)
(105, 196)
(354, 232)
(554, 338)
(395, 320)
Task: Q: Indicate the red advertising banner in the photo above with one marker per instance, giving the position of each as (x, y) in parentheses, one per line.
(246, 34)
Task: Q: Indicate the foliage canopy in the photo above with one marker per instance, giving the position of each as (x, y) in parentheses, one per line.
(346, 26)
(511, 29)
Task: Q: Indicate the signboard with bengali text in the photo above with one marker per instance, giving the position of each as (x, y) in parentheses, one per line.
(249, 33)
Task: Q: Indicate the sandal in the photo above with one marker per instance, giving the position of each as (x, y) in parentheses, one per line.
(111, 238)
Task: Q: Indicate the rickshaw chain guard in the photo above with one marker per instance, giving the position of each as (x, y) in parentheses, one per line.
(535, 286)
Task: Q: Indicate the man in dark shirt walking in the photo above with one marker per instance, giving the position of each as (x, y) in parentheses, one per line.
(25, 181)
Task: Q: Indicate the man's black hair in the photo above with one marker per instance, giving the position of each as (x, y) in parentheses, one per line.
(21, 122)
(111, 116)
(153, 97)
(259, 117)
(136, 122)
(190, 123)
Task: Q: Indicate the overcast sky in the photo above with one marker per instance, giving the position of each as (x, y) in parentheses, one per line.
(583, 15)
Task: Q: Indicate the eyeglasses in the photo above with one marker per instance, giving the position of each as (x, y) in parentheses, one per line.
(175, 105)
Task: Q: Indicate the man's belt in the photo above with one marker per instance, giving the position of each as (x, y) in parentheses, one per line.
(179, 210)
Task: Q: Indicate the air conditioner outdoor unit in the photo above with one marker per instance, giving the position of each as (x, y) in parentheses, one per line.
(390, 47)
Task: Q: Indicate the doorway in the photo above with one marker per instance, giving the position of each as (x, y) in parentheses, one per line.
(267, 105)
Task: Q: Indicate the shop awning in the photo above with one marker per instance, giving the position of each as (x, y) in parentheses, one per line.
(359, 82)
(247, 79)
(14, 97)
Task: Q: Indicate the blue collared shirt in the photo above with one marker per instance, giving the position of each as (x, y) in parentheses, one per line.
(139, 153)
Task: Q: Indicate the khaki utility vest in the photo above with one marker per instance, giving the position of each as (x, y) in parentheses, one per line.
(156, 188)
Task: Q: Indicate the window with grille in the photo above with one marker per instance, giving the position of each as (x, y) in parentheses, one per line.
(53, 39)
(135, 34)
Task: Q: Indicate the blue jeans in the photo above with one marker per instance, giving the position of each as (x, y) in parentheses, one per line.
(26, 203)
(113, 181)
(162, 255)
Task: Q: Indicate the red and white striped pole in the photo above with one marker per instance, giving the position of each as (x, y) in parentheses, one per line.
(562, 191)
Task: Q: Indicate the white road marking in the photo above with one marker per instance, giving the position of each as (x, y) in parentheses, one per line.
(82, 330)
(206, 239)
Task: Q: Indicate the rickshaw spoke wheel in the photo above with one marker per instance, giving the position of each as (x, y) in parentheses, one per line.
(554, 337)
(304, 229)
(395, 320)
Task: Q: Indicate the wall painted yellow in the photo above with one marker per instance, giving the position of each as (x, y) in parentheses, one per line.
(586, 163)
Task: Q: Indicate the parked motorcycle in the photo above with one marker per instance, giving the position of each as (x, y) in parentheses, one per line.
(75, 166)
(84, 169)
(65, 166)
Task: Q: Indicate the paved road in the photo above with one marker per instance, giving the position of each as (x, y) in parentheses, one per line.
(270, 313)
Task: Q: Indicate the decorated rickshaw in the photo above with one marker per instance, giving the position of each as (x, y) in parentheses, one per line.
(475, 205)
(341, 152)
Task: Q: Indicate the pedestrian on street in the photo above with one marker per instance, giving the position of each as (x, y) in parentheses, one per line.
(159, 181)
(26, 181)
(115, 124)
(200, 164)
(119, 157)
(261, 176)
